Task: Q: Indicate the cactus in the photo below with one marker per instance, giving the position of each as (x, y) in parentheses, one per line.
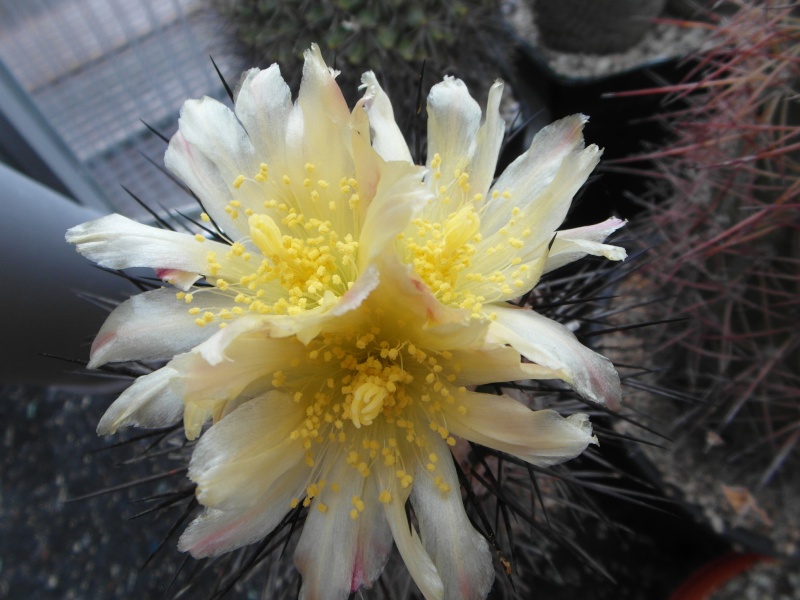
(464, 38)
(727, 217)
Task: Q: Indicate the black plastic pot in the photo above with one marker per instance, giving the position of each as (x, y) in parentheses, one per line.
(596, 26)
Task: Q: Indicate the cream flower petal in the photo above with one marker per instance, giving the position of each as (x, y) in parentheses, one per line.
(325, 117)
(213, 351)
(542, 181)
(152, 326)
(180, 279)
(117, 242)
(541, 437)
(235, 462)
(461, 554)
(328, 554)
(368, 163)
(453, 334)
(216, 532)
(202, 177)
(296, 144)
(573, 244)
(489, 365)
(453, 122)
(552, 345)
(398, 198)
(263, 103)
(528, 245)
(243, 357)
(489, 143)
(213, 129)
(202, 155)
(241, 483)
(352, 299)
(416, 558)
(374, 543)
(154, 400)
(387, 139)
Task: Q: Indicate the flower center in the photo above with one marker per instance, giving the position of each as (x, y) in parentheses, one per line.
(368, 399)
(447, 250)
(440, 252)
(367, 403)
(441, 246)
(301, 252)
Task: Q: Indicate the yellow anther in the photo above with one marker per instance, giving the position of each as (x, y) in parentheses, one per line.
(237, 183)
(385, 497)
(199, 237)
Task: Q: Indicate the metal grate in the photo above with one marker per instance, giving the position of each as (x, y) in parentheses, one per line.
(97, 68)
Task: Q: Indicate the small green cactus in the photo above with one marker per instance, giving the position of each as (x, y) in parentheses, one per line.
(392, 38)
